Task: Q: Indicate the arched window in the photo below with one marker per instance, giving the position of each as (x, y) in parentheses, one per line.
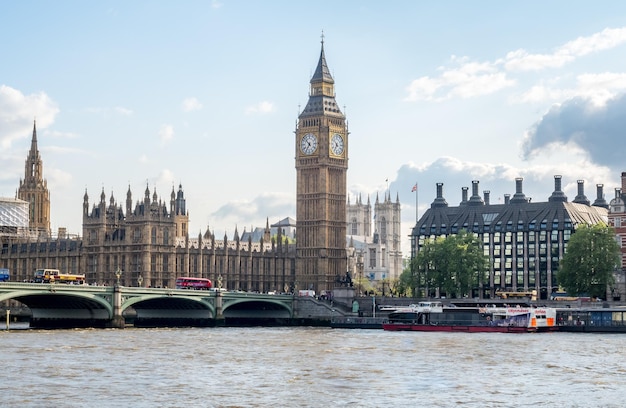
(354, 226)
(383, 230)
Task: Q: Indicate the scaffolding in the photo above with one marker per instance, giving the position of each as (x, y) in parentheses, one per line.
(13, 217)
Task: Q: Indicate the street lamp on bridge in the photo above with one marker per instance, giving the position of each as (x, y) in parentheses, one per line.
(359, 266)
(140, 280)
(118, 273)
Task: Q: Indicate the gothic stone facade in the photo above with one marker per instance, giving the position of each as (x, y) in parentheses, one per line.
(321, 139)
(378, 256)
(146, 245)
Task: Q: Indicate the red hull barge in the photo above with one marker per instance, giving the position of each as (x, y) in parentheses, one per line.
(434, 317)
(451, 328)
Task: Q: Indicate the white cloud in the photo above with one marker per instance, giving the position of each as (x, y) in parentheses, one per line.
(191, 104)
(268, 206)
(166, 134)
(521, 60)
(123, 111)
(58, 179)
(606, 39)
(261, 107)
(596, 88)
(470, 78)
(166, 177)
(599, 88)
(542, 93)
(17, 112)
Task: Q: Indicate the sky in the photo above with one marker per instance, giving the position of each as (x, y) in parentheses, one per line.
(206, 94)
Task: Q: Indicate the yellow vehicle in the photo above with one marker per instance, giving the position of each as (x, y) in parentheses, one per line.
(529, 294)
(55, 276)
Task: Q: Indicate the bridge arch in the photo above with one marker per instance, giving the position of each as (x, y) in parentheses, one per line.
(59, 305)
(158, 300)
(159, 309)
(256, 308)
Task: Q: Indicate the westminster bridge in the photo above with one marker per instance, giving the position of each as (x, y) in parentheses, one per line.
(63, 305)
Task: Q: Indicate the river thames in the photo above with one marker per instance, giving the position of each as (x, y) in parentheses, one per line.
(308, 367)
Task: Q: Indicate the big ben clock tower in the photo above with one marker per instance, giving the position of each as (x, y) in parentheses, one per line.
(321, 167)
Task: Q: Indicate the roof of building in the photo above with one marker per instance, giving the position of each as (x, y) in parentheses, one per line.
(517, 214)
(322, 103)
(285, 222)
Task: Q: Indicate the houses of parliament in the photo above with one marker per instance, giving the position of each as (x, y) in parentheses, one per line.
(148, 240)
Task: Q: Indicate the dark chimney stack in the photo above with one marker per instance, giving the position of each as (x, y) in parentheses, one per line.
(600, 201)
(518, 197)
(439, 200)
(463, 196)
(581, 198)
(475, 199)
(557, 194)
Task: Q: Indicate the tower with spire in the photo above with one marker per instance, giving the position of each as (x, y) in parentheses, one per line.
(34, 189)
(321, 177)
(375, 257)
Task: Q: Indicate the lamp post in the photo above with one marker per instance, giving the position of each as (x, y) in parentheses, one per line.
(118, 273)
(219, 282)
(140, 281)
(359, 265)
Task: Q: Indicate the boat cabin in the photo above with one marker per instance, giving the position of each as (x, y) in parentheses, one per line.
(429, 307)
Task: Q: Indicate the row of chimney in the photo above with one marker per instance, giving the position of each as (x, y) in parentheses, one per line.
(519, 197)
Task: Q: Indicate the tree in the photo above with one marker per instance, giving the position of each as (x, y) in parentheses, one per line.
(406, 283)
(455, 265)
(591, 256)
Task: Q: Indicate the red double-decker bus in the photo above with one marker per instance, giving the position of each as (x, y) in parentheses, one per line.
(193, 283)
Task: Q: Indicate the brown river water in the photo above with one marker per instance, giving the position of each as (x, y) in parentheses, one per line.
(308, 367)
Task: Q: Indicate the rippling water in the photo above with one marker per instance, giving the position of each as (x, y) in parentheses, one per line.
(259, 367)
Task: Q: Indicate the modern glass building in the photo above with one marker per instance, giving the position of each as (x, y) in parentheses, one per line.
(524, 240)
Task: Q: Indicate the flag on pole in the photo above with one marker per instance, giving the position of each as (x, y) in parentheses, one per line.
(414, 189)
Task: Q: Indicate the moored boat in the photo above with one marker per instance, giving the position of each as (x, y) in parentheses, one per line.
(434, 316)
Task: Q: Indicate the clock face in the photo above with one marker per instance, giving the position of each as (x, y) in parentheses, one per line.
(308, 144)
(336, 144)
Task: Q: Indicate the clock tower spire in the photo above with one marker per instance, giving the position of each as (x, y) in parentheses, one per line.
(321, 168)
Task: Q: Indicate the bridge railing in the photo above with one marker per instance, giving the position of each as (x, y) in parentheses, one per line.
(53, 286)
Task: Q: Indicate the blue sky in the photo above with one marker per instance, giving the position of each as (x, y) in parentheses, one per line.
(206, 94)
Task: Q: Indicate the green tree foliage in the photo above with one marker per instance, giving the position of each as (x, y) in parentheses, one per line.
(455, 265)
(406, 282)
(591, 256)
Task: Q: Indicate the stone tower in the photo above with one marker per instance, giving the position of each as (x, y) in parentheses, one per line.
(34, 189)
(387, 229)
(321, 168)
(359, 217)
